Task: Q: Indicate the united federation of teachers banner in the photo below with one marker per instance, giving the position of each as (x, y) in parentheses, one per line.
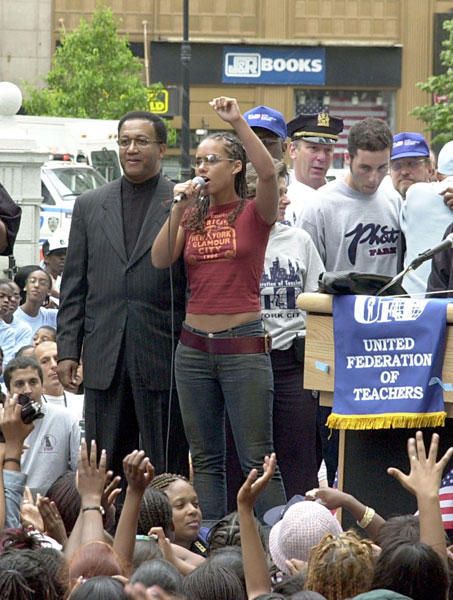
(388, 362)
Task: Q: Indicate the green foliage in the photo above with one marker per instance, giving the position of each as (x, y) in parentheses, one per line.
(94, 74)
(439, 116)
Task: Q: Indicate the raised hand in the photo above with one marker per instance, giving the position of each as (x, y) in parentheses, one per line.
(53, 523)
(255, 566)
(29, 512)
(138, 471)
(423, 482)
(188, 192)
(164, 543)
(14, 429)
(425, 471)
(226, 108)
(254, 485)
(328, 497)
(112, 490)
(91, 476)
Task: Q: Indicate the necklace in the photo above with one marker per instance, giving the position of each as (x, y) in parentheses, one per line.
(65, 400)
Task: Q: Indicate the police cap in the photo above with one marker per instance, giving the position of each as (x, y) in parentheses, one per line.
(318, 128)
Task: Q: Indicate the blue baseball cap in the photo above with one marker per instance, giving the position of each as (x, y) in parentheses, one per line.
(275, 514)
(267, 118)
(409, 144)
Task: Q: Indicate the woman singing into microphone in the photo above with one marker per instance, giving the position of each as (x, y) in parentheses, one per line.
(222, 359)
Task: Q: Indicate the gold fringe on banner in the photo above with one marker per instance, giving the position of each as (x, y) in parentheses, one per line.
(386, 421)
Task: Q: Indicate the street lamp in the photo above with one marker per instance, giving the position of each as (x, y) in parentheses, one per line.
(185, 112)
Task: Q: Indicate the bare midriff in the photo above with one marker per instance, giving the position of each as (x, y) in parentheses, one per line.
(213, 323)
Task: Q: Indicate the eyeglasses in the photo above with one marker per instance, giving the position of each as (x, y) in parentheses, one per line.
(210, 159)
(139, 142)
(399, 165)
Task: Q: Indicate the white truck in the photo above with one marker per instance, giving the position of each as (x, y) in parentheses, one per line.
(62, 181)
(88, 141)
(83, 155)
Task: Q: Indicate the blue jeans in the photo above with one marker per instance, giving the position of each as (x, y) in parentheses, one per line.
(241, 384)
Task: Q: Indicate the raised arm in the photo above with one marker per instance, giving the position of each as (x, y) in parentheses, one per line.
(423, 482)
(184, 560)
(256, 573)
(366, 517)
(14, 431)
(109, 496)
(266, 186)
(90, 483)
(139, 472)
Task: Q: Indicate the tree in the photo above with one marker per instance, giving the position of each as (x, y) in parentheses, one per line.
(94, 74)
(438, 116)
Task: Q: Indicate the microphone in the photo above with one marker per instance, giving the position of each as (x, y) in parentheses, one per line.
(428, 254)
(196, 181)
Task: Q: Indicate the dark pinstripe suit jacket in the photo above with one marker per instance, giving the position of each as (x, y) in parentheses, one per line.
(108, 300)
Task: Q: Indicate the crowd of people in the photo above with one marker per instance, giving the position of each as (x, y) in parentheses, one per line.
(165, 332)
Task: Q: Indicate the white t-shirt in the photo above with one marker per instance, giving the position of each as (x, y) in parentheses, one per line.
(7, 342)
(73, 402)
(46, 316)
(53, 448)
(291, 266)
(22, 332)
(300, 195)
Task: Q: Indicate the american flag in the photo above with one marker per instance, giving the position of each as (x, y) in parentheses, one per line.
(446, 500)
(341, 106)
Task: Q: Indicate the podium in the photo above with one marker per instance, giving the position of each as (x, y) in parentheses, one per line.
(364, 456)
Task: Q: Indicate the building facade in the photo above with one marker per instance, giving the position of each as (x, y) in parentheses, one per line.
(26, 37)
(351, 57)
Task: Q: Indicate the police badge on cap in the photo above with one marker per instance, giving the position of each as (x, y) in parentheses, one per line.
(319, 128)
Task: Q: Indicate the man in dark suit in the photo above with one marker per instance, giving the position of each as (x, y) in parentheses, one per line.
(117, 306)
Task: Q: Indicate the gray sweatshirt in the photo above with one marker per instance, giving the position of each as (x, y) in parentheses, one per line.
(353, 231)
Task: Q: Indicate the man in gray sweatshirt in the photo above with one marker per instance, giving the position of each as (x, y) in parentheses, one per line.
(354, 224)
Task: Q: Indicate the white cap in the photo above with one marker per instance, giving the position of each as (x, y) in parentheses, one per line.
(54, 243)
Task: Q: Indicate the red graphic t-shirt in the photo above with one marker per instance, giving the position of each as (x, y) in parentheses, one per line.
(225, 262)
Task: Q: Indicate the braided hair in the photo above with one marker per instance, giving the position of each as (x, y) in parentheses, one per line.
(340, 566)
(24, 576)
(162, 481)
(234, 150)
(155, 511)
(226, 532)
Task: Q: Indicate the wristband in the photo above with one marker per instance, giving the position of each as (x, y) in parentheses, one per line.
(98, 508)
(13, 460)
(367, 517)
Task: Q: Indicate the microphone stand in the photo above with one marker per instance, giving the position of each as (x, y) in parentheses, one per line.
(414, 264)
(397, 279)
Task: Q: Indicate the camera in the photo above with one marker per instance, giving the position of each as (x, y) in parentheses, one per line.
(30, 410)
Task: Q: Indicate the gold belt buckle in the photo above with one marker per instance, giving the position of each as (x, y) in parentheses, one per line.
(267, 342)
